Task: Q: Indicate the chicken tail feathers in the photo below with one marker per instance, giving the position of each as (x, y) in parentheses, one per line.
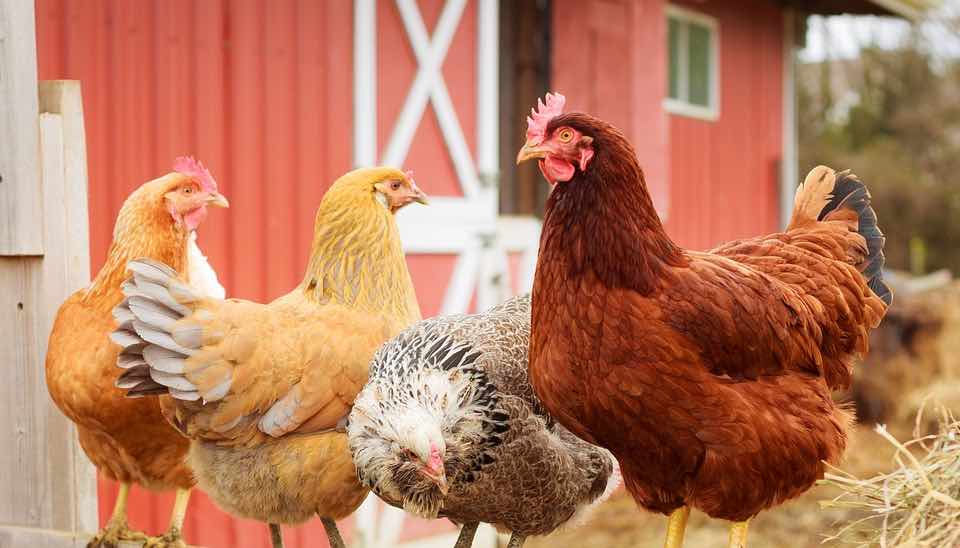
(155, 345)
(826, 195)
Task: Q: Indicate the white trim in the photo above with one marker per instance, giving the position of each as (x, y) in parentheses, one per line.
(680, 106)
(789, 175)
(364, 83)
(488, 84)
(430, 85)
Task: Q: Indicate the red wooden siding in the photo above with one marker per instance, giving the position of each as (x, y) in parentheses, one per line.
(715, 180)
(261, 94)
(609, 60)
(724, 174)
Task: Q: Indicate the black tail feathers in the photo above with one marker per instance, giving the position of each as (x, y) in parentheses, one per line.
(850, 193)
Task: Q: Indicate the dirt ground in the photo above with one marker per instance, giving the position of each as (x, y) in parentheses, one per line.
(618, 523)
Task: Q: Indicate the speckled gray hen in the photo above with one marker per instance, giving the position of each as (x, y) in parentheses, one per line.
(448, 426)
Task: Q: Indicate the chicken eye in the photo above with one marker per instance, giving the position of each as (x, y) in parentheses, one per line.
(565, 135)
(188, 190)
(395, 185)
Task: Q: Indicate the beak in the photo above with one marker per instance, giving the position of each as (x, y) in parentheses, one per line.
(439, 477)
(418, 195)
(529, 151)
(217, 199)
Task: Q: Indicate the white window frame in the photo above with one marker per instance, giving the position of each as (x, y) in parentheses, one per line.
(680, 106)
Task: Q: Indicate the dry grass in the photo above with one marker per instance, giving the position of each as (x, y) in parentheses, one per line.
(917, 504)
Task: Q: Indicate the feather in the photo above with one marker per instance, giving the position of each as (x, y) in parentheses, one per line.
(151, 270)
(124, 338)
(153, 313)
(155, 292)
(159, 338)
(172, 380)
(165, 359)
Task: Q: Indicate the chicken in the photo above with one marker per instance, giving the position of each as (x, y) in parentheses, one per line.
(127, 439)
(261, 388)
(448, 425)
(708, 375)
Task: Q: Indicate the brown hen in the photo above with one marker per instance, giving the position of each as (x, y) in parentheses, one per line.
(708, 375)
(127, 439)
(260, 388)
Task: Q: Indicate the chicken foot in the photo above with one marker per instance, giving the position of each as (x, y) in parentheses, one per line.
(676, 526)
(516, 541)
(117, 529)
(467, 532)
(276, 535)
(173, 538)
(333, 534)
(738, 534)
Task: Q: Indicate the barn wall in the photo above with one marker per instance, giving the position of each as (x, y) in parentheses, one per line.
(724, 174)
(713, 180)
(608, 61)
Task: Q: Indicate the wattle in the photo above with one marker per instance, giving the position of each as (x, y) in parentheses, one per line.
(194, 217)
(556, 169)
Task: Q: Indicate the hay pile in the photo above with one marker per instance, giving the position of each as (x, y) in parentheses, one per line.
(917, 504)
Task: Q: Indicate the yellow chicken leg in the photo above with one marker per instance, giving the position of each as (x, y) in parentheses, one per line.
(676, 525)
(117, 528)
(173, 538)
(738, 534)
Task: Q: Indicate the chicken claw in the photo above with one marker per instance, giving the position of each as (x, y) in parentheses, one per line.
(115, 532)
(117, 529)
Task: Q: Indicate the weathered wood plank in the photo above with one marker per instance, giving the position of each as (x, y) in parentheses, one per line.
(51, 483)
(20, 191)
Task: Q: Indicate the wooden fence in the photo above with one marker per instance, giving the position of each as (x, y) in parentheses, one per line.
(49, 493)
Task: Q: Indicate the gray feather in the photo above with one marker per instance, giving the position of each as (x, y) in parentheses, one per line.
(164, 359)
(172, 380)
(124, 338)
(186, 395)
(128, 361)
(153, 313)
(152, 270)
(159, 338)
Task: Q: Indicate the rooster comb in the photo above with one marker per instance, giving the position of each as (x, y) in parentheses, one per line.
(187, 165)
(541, 116)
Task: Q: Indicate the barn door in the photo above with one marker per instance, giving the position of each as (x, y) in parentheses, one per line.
(426, 98)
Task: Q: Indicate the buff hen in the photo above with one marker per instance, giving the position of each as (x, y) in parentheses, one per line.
(708, 375)
(260, 388)
(448, 425)
(127, 439)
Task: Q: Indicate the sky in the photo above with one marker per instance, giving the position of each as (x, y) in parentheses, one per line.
(842, 36)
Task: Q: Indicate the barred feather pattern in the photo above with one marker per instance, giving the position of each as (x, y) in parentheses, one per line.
(460, 382)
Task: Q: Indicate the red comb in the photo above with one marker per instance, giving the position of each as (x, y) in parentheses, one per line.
(186, 165)
(541, 116)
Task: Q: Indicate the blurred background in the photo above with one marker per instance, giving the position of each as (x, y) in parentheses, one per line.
(728, 102)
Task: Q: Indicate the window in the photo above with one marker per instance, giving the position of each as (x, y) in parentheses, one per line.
(692, 88)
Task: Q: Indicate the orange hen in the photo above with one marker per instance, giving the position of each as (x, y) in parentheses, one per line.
(125, 438)
(708, 375)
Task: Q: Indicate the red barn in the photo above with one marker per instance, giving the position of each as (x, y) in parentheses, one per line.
(279, 98)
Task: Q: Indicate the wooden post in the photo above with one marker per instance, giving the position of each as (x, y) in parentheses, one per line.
(49, 494)
(20, 193)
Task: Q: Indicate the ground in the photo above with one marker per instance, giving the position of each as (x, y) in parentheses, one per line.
(618, 523)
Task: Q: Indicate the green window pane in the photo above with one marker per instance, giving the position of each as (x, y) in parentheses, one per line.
(699, 73)
(673, 54)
